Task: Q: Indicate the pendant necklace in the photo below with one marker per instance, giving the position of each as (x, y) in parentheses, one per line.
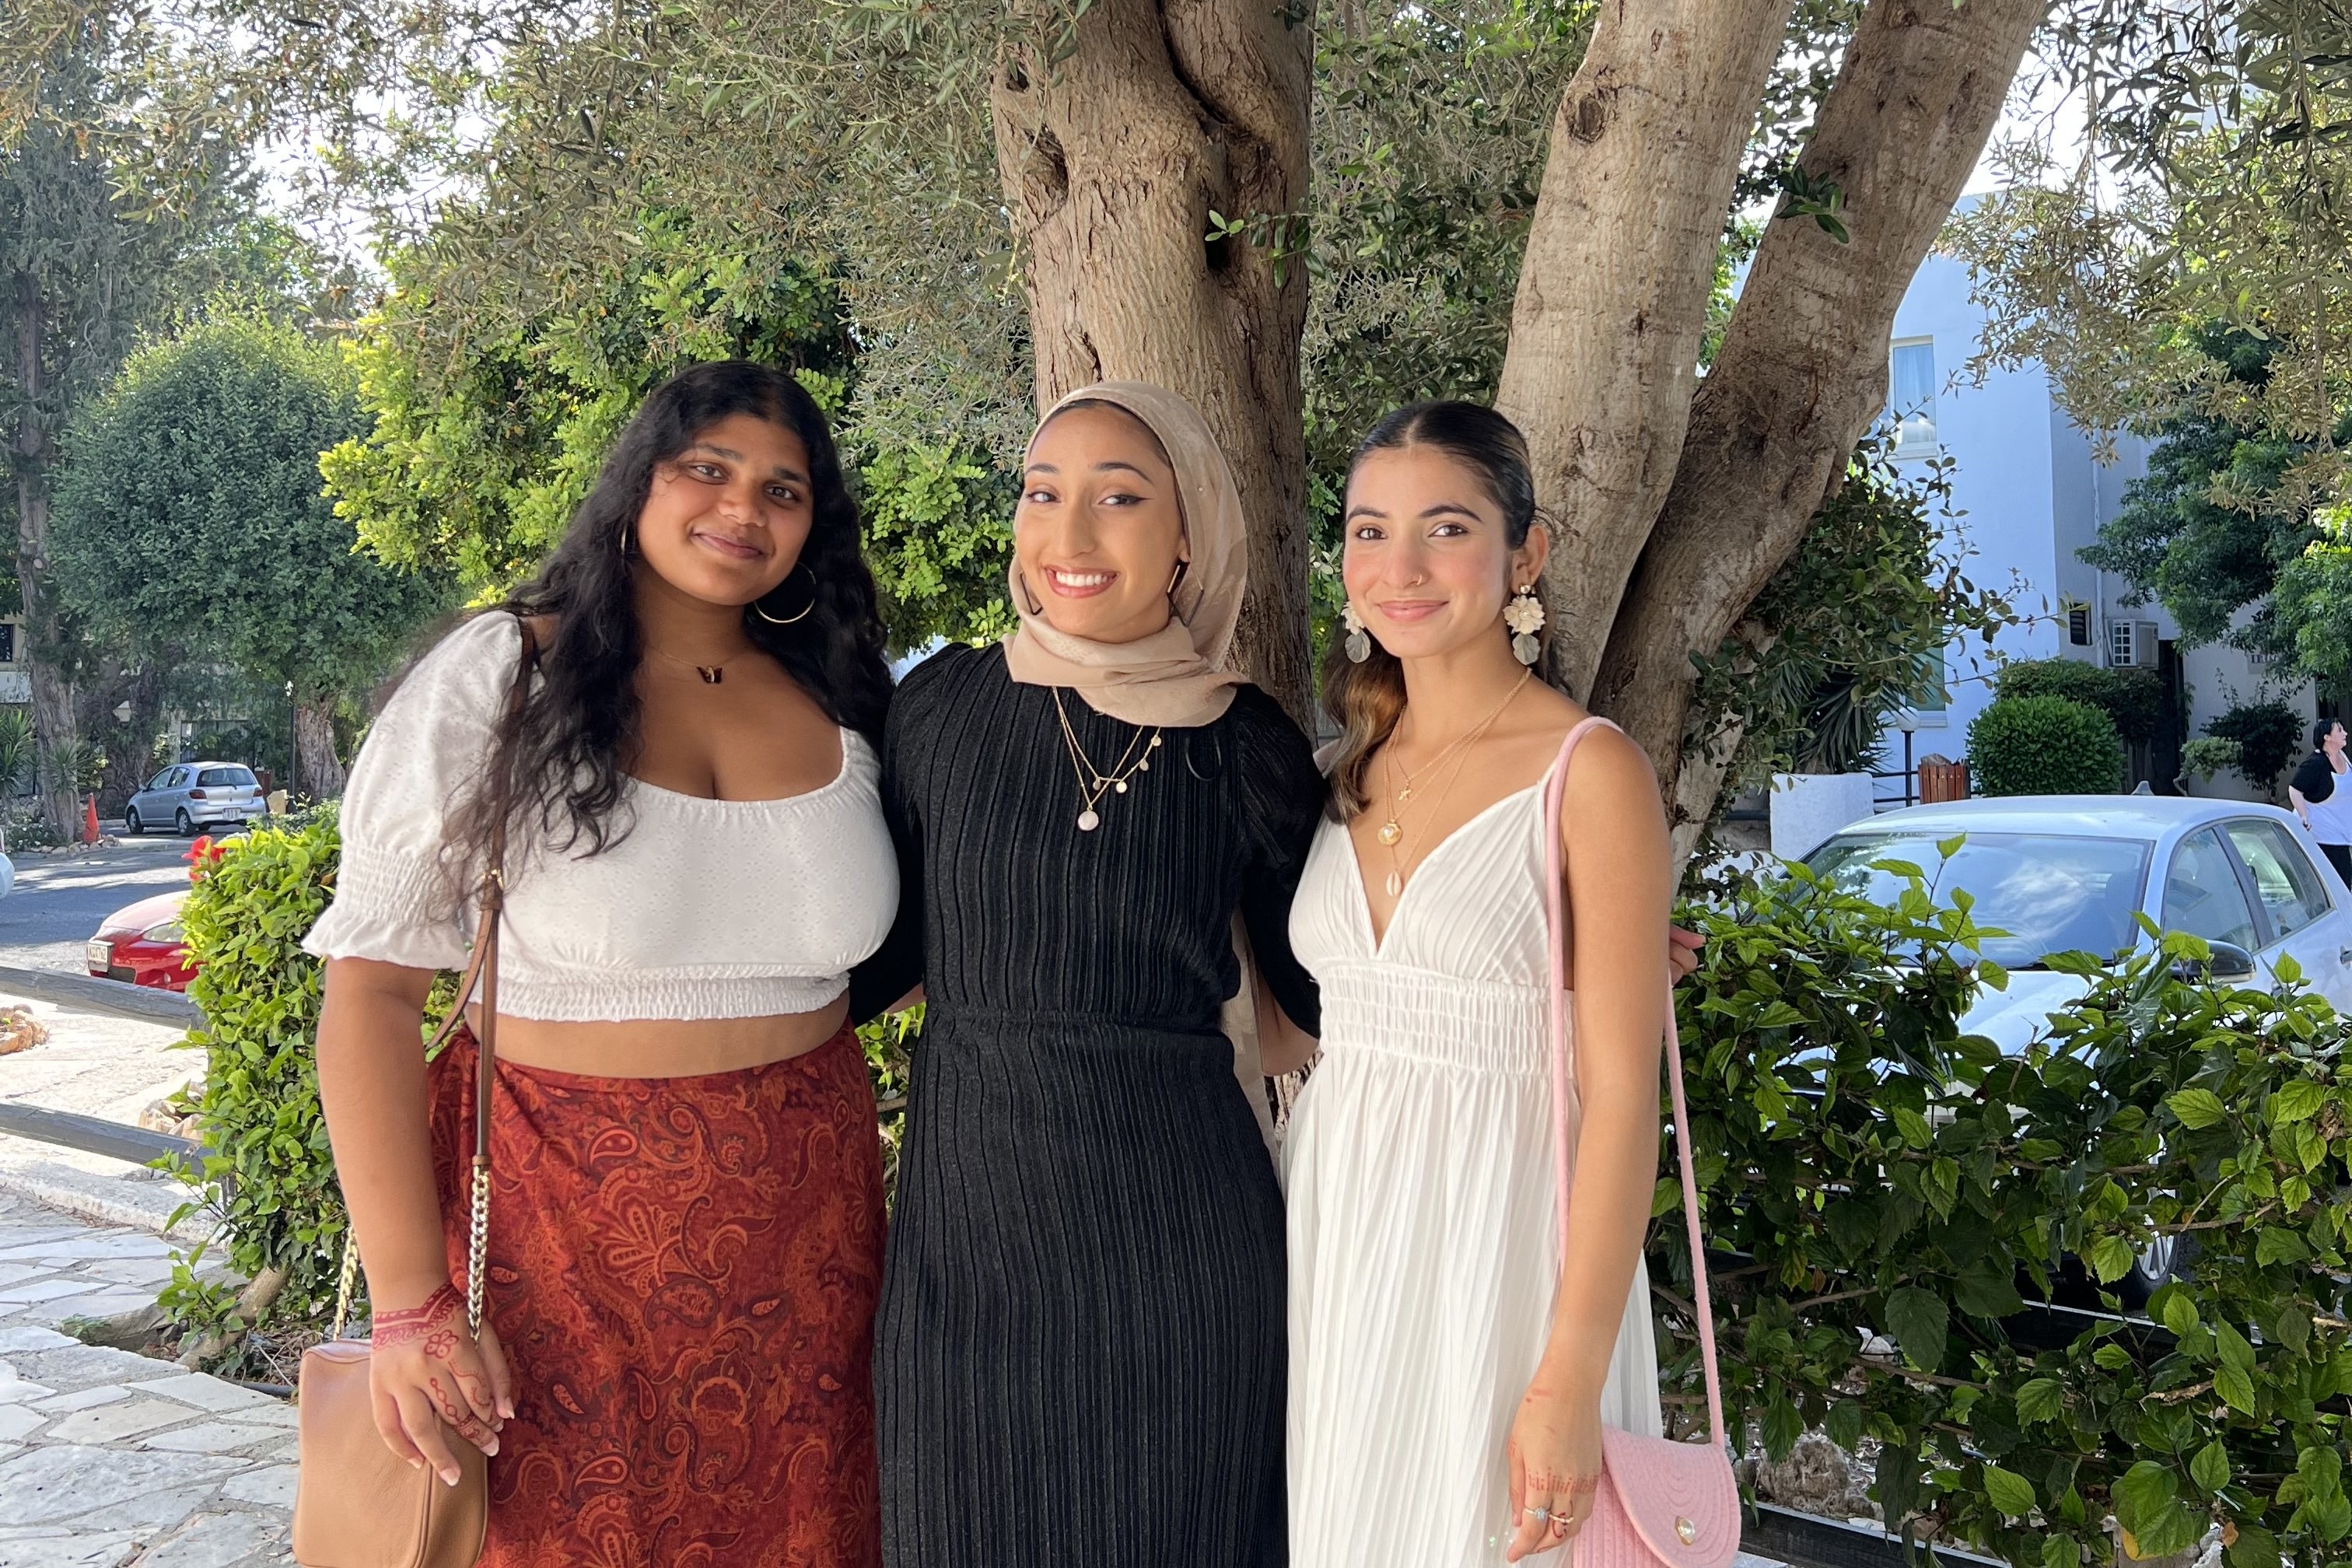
(712, 674)
(1460, 753)
(1393, 829)
(1093, 783)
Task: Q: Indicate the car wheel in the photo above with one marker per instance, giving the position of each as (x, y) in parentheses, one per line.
(181, 822)
(2159, 1263)
(131, 823)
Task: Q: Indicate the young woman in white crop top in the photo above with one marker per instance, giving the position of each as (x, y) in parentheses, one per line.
(686, 1239)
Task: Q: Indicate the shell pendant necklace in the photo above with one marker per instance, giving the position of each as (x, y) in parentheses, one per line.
(1393, 828)
(1093, 783)
(1460, 753)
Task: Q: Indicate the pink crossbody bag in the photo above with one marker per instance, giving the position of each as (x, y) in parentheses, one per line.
(1661, 1504)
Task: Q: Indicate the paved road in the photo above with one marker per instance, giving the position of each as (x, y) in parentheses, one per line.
(59, 899)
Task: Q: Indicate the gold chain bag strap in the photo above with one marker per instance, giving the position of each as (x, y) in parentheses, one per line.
(358, 1504)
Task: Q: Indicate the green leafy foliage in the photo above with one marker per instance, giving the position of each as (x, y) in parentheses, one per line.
(2208, 755)
(1885, 1195)
(2044, 745)
(492, 409)
(2269, 735)
(190, 513)
(270, 1173)
(1851, 628)
(2218, 517)
(2134, 698)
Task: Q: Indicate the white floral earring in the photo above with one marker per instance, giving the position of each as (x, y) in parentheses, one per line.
(1524, 615)
(1359, 642)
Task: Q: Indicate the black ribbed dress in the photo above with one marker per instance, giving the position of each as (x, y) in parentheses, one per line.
(1080, 1351)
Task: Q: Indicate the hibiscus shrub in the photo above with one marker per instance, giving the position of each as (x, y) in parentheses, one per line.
(1886, 1196)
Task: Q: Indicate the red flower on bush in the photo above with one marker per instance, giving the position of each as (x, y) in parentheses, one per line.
(201, 854)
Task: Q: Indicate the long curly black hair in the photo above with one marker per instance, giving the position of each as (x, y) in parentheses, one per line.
(570, 745)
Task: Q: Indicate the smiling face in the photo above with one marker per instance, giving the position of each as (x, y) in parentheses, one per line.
(724, 521)
(1099, 530)
(1429, 560)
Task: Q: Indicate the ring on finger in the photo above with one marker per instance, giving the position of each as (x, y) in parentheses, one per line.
(1532, 1511)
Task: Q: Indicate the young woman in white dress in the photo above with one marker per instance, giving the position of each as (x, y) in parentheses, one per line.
(1450, 1372)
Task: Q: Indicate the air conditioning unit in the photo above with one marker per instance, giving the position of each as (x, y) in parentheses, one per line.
(2131, 645)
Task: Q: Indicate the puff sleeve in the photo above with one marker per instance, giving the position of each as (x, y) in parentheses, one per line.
(391, 903)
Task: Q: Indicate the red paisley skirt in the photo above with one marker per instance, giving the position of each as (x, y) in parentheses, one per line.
(682, 1273)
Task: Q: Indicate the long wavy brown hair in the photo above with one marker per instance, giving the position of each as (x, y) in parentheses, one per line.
(1367, 699)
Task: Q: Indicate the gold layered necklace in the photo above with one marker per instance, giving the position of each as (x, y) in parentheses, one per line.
(1093, 782)
(1391, 832)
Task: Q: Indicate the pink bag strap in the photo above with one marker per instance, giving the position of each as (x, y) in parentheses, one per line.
(1554, 788)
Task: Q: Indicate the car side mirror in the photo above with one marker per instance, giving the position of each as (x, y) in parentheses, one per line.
(2228, 961)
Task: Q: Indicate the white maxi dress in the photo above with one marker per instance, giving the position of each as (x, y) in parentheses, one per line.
(1423, 1244)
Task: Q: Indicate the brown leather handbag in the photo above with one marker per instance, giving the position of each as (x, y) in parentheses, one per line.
(357, 1503)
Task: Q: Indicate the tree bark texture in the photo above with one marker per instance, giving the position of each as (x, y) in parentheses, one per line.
(1112, 158)
(1802, 369)
(1645, 149)
(317, 772)
(35, 448)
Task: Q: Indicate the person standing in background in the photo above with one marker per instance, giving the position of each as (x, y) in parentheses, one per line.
(2321, 797)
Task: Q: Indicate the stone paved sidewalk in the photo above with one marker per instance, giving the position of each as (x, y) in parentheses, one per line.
(108, 1458)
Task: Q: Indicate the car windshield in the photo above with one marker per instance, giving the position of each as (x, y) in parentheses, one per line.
(2050, 892)
(226, 776)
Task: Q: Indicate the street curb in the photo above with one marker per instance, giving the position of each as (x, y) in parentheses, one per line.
(91, 1201)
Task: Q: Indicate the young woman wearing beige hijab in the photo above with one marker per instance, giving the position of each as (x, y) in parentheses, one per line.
(1080, 1347)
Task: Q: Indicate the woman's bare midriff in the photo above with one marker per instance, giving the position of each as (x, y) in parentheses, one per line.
(664, 1047)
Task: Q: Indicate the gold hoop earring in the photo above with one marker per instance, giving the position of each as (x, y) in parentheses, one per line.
(1028, 599)
(624, 541)
(761, 610)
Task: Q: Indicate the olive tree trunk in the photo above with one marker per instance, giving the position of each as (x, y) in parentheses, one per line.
(1603, 355)
(317, 772)
(1111, 159)
(35, 448)
(1802, 369)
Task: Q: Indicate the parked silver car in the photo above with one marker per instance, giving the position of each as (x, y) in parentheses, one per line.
(193, 795)
(2070, 873)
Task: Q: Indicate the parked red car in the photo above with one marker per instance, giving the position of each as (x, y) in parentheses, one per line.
(143, 943)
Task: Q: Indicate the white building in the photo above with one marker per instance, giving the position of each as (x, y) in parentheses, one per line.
(2033, 494)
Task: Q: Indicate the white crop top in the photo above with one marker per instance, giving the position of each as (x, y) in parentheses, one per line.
(706, 909)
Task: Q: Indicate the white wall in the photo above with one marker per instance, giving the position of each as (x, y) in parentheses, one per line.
(2033, 490)
(1999, 437)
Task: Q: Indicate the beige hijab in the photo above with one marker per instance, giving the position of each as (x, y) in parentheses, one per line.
(1177, 677)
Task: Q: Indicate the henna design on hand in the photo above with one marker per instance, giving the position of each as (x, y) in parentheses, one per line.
(428, 1322)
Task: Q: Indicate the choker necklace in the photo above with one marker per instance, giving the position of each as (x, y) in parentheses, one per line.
(1093, 783)
(712, 674)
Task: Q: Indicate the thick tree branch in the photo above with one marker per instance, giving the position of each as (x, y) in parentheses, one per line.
(1612, 295)
(1803, 370)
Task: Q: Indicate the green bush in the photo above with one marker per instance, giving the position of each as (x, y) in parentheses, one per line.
(2134, 698)
(2207, 755)
(2269, 735)
(2044, 745)
(1895, 1192)
(269, 1174)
